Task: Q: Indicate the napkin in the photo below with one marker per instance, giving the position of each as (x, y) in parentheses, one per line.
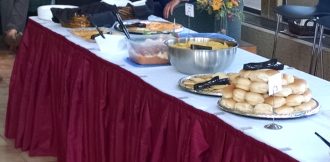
(111, 43)
(123, 3)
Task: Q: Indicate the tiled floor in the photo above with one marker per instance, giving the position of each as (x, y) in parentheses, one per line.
(7, 151)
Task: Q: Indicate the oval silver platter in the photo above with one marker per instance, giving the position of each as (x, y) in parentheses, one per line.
(181, 85)
(300, 114)
(144, 31)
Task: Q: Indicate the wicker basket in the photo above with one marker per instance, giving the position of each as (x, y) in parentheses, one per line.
(126, 13)
(304, 29)
(77, 21)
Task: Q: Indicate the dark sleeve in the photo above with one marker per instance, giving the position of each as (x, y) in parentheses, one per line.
(76, 2)
(142, 12)
(98, 13)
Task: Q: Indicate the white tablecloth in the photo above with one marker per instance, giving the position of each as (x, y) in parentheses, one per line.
(296, 138)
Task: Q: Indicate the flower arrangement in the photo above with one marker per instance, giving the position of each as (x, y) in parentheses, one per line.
(221, 8)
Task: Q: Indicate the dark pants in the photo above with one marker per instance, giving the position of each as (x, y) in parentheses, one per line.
(14, 14)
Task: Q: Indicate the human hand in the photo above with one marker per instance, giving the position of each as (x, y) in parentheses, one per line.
(168, 9)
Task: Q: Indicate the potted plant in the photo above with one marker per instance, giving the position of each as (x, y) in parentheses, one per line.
(227, 15)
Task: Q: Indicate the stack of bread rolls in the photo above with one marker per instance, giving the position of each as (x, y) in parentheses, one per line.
(248, 93)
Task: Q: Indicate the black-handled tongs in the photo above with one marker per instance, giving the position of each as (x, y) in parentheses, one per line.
(214, 81)
(120, 21)
(100, 32)
(270, 64)
(323, 139)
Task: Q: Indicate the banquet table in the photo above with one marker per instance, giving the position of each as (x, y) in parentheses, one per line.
(70, 100)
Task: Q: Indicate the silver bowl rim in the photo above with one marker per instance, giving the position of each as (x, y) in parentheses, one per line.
(216, 39)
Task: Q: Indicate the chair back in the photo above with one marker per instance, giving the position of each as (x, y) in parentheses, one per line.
(323, 7)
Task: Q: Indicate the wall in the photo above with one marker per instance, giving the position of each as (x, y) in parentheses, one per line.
(302, 2)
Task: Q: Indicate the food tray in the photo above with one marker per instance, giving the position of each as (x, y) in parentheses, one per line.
(146, 31)
(275, 116)
(86, 33)
(202, 92)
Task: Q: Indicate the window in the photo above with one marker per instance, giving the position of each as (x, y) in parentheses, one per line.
(253, 4)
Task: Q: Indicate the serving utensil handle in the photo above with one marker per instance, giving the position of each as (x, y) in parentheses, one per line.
(323, 139)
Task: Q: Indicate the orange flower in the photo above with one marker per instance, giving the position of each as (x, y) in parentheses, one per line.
(217, 4)
(234, 2)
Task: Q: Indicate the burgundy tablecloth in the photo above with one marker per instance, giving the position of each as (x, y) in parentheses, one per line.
(66, 102)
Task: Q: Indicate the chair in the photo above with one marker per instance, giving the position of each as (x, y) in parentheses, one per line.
(299, 12)
(321, 24)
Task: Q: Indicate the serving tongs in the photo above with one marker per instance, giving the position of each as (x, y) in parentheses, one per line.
(270, 64)
(323, 139)
(199, 47)
(120, 21)
(214, 81)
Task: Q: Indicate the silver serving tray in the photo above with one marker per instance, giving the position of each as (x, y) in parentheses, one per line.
(181, 85)
(144, 31)
(313, 111)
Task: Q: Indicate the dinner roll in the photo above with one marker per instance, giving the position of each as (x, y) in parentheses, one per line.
(245, 73)
(244, 107)
(228, 103)
(275, 101)
(307, 95)
(227, 92)
(253, 76)
(284, 110)
(286, 91)
(263, 109)
(287, 79)
(294, 100)
(259, 87)
(262, 75)
(265, 95)
(254, 98)
(239, 95)
(243, 83)
(233, 77)
(306, 106)
(299, 86)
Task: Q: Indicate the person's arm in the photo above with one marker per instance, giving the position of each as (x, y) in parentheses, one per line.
(168, 9)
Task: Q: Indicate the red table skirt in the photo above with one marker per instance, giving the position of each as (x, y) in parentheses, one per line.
(66, 102)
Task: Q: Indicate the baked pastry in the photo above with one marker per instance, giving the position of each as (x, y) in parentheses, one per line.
(239, 95)
(190, 82)
(227, 92)
(287, 79)
(249, 92)
(263, 109)
(233, 78)
(286, 91)
(307, 95)
(244, 107)
(245, 73)
(259, 87)
(262, 75)
(299, 86)
(254, 98)
(243, 83)
(284, 110)
(275, 101)
(306, 106)
(228, 103)
(294, 100)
